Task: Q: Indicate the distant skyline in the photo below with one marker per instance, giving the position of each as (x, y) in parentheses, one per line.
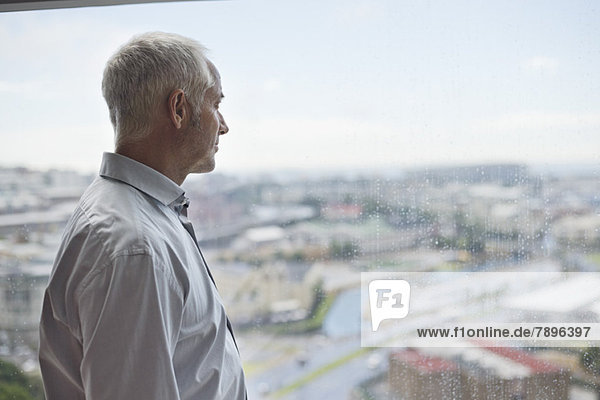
(325, 84)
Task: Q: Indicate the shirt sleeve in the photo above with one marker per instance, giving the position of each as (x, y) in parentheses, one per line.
(130, 313)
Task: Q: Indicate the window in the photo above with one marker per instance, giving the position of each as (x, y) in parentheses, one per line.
(364, 136)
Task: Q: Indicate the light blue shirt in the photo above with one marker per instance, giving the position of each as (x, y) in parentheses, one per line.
(130, 311)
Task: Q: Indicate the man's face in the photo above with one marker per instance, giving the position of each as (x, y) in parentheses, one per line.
(207, 124)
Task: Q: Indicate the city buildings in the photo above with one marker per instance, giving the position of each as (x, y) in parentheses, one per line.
(275, 244)
(493, 373)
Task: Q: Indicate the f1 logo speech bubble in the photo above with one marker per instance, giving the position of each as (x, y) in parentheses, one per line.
(389, 299)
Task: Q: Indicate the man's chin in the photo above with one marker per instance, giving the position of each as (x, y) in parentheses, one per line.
(204, 168)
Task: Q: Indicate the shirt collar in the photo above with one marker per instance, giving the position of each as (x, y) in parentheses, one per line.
(141, 177)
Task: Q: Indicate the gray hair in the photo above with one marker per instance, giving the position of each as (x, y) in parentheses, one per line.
(144, 71)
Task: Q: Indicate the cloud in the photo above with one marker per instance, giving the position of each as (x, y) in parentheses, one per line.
(538, 136)
(34, 90)
(273, 143)
(540, 121)
(63, 43)
(305, 142)
(541, 64)
(359, 12)
(272, 85)
(20, 87)
(73, 147)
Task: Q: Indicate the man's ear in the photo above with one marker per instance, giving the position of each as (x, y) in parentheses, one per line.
(177, 108)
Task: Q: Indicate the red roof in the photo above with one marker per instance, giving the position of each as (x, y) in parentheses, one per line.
(422, 363)
(536, 365)
(427, 364)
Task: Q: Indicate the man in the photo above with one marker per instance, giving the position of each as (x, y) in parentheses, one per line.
(131, 310)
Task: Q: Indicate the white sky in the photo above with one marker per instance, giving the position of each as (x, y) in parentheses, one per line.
(326, 84)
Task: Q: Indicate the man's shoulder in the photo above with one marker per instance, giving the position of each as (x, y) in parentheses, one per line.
(114, 222)
(110, 231)
(118, 216)
(109, 195)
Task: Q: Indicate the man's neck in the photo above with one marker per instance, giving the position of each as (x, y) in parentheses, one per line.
(155, 157)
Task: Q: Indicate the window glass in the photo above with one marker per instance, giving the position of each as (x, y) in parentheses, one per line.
(365, 136)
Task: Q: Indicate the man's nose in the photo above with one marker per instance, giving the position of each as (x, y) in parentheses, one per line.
(223, 128)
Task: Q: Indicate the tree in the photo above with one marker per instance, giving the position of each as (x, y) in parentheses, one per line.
(345, 250)
(15, 385)
(12, 391)
(9, 373)
(590, 359)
